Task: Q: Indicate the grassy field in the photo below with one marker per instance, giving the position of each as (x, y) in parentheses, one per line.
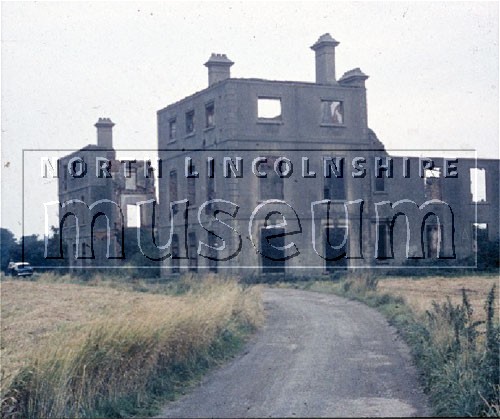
(420, 294)
(80, 350)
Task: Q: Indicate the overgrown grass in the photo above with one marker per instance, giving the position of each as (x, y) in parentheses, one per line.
(136, 350)
(457, 355)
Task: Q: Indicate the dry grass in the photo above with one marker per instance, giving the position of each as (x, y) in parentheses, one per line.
(420, 293)
(32, 313)
(68, 347)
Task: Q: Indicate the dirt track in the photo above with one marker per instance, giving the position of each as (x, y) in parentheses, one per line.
(317, 355)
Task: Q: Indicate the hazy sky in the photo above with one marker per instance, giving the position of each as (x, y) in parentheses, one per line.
(433, 71)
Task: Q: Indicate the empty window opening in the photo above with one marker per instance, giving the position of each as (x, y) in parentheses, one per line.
(191, 190)
(172, 186)
(271, 186)
(273, 219)
(189, 122)
(175, 254)
(335, 258)
(332, 112)
(434, 237)
(382, 251)
(132, 215)
(82, 215)
(209, 115)
(479, 235)
(269, 108)
(172, 130)
(334, 188)
(432, 173)
(172, 189)
(193, 252)
(432, 183)
(478, 184)
(212, 264)
(210, 194)
(65, 177)
(131, 179)
(272, 254)
(379, 184)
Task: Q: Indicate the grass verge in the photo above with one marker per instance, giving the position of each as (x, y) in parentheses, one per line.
(456, 354)
(92, 351)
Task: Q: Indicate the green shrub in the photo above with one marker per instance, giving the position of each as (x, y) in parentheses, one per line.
(459, 361)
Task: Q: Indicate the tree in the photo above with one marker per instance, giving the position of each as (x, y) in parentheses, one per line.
(488, 255)
(140, 264)
(34, 250)
(9, 248)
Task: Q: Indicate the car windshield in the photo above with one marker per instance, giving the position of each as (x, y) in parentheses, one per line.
(23, 264)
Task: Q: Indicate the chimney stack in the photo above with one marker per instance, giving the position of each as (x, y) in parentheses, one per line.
(105, 133)
(325, 59)
(354, 78)
(219, 68)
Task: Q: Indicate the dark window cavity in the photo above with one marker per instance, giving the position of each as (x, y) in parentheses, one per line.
(379, 184)
(334, 258)
(172, 129)
(193, 252)
(271, 187)
(334, 188)
(209, 115)
(175, 254)
(191, 190)
(189, 122)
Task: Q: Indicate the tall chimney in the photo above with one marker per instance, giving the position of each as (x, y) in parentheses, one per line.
(325, 59)
(219, 68)
(105, 133)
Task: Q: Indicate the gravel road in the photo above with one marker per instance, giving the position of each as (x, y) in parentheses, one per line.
(317, 355)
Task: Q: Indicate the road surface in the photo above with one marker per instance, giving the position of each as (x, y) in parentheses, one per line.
(317, 355)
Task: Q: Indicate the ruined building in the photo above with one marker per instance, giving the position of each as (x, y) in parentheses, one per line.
(96, 194)
(264, 176)
(248, 141)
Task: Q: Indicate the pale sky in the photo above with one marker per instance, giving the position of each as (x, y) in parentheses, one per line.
(433, 71)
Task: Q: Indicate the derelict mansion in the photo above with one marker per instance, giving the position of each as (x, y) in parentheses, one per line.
(253, 156)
